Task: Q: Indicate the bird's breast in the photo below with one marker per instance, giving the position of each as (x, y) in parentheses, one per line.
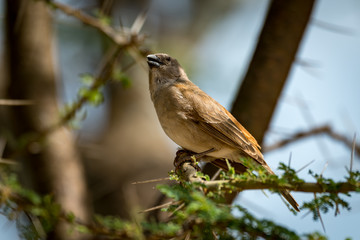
(172, 109)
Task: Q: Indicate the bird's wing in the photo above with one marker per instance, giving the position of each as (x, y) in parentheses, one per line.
(216, 121)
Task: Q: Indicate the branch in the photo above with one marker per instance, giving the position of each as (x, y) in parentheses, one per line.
(104, 76)
(15, 102)
(309, 187)
(124, 37)
(312, 132)
(251, 182)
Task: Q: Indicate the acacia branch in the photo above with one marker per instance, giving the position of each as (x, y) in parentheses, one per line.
(313, 132)
(104, 75)
(309, 187)
(122, 37)
(188, 172)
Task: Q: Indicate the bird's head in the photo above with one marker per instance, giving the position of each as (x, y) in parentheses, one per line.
(164, 69)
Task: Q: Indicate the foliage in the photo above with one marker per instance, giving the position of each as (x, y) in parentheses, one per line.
(197, 211)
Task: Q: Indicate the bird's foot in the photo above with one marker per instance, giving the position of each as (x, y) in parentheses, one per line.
(184, 155)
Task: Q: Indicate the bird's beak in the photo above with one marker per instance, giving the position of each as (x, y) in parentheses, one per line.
(153, 61)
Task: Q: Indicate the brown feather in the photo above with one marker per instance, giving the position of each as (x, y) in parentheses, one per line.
(216, 121)
(197, 122)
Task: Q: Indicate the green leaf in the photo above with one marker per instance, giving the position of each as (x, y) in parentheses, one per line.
(87, 79)
(94, 96)
(82, 229)
(121, 77)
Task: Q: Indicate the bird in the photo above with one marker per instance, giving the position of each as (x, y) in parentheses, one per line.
(197, 122)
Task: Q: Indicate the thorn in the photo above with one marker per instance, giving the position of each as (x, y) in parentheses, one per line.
(151, 180)
(305, 166)
(216, 174)
(306, 214)
(139, 22)
(334, 28)
(352, 152)
(325, 166)
(290, 159)
(160, 206)
(318, 211)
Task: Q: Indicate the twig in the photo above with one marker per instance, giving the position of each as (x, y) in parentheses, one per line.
(152, 180)
(124, 37)
(8, 161)
(15, 102)
(160, 206)
(312, 132)
(216, 174)
(100, 80)
(352, 152)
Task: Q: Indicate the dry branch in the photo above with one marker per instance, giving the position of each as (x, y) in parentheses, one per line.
(122, 37)
(312, 132)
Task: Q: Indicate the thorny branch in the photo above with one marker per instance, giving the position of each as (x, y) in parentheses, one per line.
(310, 187)
(100, 80)
(188, 172)
(122, 37)
(312, 132)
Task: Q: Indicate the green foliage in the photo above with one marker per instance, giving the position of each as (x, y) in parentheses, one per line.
(161, 229)
(104, 19)
(94, 96)
(122, 78)
(197, 211)
(206, 215)
(327, 201)
(19, 199)
(87, 79)
(289, 175)
(354, 178)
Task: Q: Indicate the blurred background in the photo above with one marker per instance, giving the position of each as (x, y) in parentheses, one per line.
(121, 141)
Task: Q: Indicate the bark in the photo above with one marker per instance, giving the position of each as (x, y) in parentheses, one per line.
(276, 49)
(50, 165)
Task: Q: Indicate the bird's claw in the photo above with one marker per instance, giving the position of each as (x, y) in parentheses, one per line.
(183, 156)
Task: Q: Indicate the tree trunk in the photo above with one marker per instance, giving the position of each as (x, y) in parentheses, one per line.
(276, 49)
(52, 165)
(275, 52)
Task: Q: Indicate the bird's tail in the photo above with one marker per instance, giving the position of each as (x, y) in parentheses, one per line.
(239, 169)
(285, 193)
